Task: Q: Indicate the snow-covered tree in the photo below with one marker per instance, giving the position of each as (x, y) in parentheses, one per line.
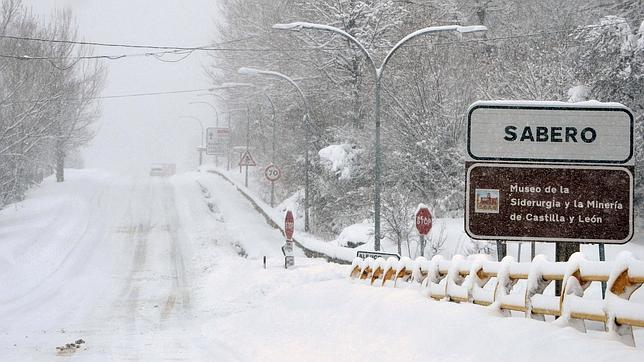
(46, 105)
(610, 63)
(532, 51)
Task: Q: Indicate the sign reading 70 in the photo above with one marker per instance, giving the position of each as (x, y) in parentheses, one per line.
(272, 173)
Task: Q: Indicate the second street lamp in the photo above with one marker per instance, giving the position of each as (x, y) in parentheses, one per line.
(378, 74)
(212, 107)
(306, 120)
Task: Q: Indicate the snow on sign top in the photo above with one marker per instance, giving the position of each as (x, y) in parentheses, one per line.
(586, 132)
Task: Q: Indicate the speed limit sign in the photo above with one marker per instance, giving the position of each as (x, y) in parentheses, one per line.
(272, 173)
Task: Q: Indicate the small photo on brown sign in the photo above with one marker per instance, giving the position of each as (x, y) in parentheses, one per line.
(486, 201)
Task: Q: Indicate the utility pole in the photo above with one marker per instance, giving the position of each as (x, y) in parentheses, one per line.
(247, 141)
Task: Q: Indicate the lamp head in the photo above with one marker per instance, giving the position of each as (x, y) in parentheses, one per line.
(235, 84)
(296, 26)
(471, 29)
(248, 71)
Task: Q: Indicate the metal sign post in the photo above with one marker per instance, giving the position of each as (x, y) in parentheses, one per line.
(246, 160)
(272, 173)
(550, 172)
(200, 150)
(287, 248)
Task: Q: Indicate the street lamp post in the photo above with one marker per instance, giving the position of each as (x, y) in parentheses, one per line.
(247, 140)
(200, 149)
(378, 74)
(306, 120)
(213, 108)
(230, 140)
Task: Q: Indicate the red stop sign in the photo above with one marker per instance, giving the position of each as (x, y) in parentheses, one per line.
(289, 225)
(423, 221)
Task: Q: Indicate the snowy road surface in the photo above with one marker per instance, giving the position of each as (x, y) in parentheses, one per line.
(146, 269)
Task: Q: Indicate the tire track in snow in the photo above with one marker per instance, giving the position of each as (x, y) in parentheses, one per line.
(136, 225)
(176, 255)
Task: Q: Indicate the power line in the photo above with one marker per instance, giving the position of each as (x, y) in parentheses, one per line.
(93, 43)
(219, 47)
(82, 57)
(188, 51)
(113, 96)
(185, 52)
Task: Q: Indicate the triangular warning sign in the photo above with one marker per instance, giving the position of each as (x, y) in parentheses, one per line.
(247, 159)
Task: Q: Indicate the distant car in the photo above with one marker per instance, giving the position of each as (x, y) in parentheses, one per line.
(162, 169)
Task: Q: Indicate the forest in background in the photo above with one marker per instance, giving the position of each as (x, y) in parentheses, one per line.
(47, 104)
(533, 50)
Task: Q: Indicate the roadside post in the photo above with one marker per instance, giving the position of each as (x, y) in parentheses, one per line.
(550, 172)
(423, 225)
(501, 250)
(272, 174)
(602, 257)
(287, 248)
(201, 150)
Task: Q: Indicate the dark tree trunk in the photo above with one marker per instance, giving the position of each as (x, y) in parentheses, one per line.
(563, 251)
(501, 250)
(60, 163)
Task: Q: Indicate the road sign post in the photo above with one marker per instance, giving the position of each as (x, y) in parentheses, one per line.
(272, 173)
(287, 248)
(423, 225)
(200, 150)
(246, 160)
(550, 172)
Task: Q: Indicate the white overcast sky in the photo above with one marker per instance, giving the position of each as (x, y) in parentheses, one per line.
(135, 132)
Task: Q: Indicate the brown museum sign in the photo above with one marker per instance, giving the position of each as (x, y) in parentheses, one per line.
(548, 203)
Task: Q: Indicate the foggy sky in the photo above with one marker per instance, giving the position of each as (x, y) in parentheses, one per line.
(134, 132)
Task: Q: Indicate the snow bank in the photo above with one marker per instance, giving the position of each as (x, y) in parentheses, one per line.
(355, 235)
(275, 216)
(338, 159)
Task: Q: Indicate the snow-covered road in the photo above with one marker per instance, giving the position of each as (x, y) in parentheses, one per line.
(152, 269)
(112, 260)
(117, 274)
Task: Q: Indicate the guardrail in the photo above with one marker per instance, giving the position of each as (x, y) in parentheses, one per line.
(489, 283)
(269, 220)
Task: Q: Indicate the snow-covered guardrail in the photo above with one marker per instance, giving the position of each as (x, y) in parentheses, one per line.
(309, 252)
(484, 282)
